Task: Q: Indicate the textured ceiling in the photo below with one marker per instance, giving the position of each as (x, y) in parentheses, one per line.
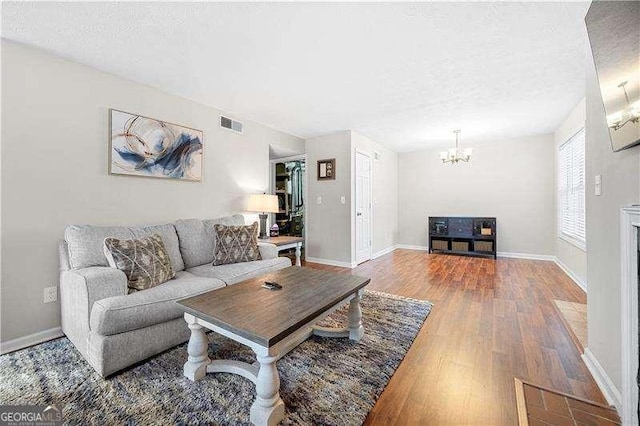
(405, 75)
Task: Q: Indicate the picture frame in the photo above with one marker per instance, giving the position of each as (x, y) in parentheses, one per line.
(147, 147)
(327, 169)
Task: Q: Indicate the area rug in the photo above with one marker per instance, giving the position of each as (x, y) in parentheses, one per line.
(322, 381)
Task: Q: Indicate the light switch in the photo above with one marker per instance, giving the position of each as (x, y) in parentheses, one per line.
(597, 183)
(343, 199)
(319, 199)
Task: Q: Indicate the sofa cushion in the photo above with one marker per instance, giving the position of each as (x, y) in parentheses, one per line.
(168, 233)
(197, 238)
(236, 272)
(119, 314)
(86, 242)
(235, 244)
(144, 261)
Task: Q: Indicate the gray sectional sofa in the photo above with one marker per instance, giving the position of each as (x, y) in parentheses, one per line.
(113, 329)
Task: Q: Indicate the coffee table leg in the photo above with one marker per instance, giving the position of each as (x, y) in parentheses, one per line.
(356, 330)
(196, 366)
(268, 408)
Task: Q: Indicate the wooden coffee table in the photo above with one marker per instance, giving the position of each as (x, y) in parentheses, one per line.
(271, 322)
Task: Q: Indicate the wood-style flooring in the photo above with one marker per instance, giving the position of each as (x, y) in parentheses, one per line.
(574, 316)
(493, 321)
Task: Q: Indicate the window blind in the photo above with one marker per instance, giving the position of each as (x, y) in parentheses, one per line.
(571, 188)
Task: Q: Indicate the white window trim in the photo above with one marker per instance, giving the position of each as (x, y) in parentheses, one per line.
(576, 242)
(582, 245)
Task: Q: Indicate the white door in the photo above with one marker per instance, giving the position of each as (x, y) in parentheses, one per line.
(363, 207)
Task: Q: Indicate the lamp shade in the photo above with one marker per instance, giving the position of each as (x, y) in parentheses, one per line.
(263, 203)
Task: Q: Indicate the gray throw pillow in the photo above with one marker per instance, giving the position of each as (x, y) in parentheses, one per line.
(235, 244)
(144, 261)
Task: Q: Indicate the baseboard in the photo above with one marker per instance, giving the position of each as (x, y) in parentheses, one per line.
(383, 252)
(425, 248)
(609, 390)
(571, 274)
(529, 256)
(412, 247)
(30, 340)
(500, 253)
(330, 262)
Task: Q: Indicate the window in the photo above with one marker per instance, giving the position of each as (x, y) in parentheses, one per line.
(571, 190)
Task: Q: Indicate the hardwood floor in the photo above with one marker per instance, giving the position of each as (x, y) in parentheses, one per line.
(574, 317)
(492, 321)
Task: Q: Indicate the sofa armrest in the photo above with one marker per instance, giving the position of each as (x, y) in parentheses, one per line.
(267, 250)
(91, 284)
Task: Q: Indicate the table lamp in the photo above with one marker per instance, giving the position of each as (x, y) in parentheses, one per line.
(263, 204)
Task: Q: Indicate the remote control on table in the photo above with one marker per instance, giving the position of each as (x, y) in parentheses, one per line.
(271, 285)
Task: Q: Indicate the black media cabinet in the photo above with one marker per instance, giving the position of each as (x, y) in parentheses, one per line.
(463, 235)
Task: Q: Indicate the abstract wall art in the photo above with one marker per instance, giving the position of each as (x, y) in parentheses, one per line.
(142, 146)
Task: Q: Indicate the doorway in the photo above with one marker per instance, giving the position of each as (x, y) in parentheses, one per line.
(289, 184)
(363, 206)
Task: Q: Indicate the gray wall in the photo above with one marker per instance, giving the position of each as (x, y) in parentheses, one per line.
(572, 257)
(328, 224)
(331, 225)
(620, 187)
(54, 170)
(510, 179)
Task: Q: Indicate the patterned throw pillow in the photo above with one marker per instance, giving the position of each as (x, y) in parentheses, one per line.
(235, 244)
(144, 261)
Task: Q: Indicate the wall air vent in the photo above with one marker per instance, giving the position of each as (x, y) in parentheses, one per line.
(230, 124)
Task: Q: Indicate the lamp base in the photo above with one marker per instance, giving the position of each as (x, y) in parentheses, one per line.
(264, 235)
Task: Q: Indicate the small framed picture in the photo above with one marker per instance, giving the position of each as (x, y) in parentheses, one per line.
(327, 169)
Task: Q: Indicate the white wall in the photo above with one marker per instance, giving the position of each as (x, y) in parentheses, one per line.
(384, 194)
(620, 173)
(512, 180)
(54, 170)
(573, 258)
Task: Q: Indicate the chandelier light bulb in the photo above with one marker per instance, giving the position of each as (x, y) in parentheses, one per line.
(454, 155)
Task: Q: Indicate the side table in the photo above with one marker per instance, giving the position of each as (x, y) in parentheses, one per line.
(285, 242)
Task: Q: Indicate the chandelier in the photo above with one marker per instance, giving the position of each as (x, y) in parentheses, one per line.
(630, 114)
(453, 155)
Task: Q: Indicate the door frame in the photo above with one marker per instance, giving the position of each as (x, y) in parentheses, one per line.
(272, 187)
(354, 234)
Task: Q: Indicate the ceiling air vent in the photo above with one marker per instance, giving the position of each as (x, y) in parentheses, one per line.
(230, 124)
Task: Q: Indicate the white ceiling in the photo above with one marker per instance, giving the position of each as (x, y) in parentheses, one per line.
(405, 75)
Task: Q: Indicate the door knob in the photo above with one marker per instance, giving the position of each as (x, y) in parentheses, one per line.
(358, 214)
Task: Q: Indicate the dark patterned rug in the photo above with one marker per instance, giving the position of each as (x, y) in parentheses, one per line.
(323, 380)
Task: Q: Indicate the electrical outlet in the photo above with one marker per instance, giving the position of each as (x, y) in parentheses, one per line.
(50, 294)
(319, 199)
(343, 199)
